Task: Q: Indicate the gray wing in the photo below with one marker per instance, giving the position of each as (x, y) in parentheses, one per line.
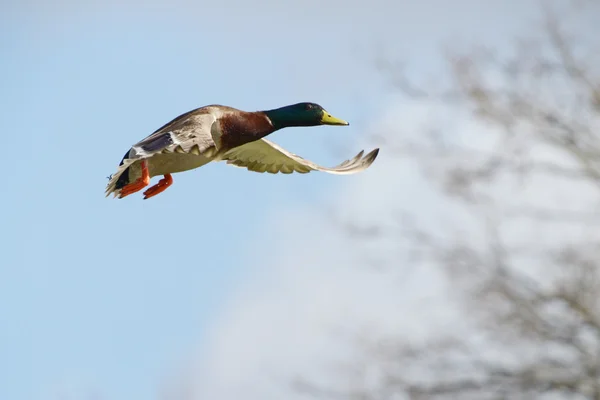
(265, 156)
(183, 134)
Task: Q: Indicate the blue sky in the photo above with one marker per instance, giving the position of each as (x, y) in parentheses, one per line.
(106, 296)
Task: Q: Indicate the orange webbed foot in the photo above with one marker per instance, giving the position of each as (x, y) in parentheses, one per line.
(160, 187)
(139, 184)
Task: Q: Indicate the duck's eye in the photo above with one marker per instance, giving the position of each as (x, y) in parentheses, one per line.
(309, 106)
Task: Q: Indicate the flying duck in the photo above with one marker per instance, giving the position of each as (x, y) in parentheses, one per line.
(221, 133)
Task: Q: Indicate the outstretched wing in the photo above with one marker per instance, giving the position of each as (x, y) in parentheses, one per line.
(265, 156)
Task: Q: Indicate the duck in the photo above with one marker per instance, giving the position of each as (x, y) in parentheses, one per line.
(216, 133)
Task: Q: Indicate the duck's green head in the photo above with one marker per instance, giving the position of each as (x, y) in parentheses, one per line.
(302, 114)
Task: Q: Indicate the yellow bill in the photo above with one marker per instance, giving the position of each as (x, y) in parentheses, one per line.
(328, 119)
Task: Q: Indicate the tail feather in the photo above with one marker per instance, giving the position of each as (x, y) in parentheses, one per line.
(120, 178)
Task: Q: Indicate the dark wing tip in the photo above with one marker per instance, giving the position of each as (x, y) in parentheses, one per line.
(373, 154)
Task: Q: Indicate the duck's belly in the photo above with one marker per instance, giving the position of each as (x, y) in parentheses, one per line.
(170, 163)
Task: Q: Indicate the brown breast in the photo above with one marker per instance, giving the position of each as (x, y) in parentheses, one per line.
(243, 127)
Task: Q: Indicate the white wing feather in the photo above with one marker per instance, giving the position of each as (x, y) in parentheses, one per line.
(265, 156)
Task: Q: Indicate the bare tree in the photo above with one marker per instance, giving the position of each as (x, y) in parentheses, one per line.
(530, 283)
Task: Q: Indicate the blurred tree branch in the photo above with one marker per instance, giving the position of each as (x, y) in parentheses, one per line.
(535, 302)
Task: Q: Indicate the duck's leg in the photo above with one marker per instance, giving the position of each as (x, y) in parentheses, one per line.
(139, 183)
(160, 187)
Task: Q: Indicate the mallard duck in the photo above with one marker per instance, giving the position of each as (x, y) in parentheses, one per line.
(221, 133)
